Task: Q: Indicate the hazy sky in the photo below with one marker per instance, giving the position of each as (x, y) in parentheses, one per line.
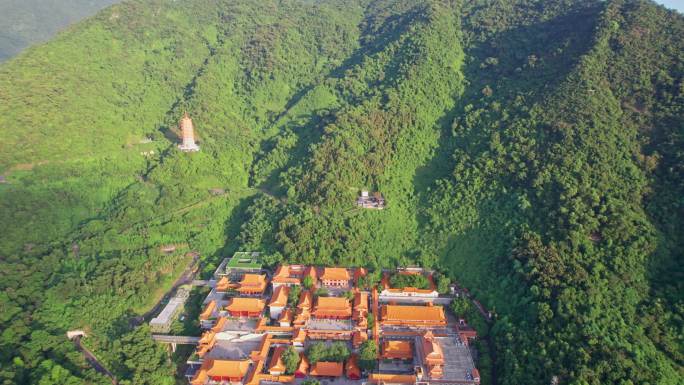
(674, 4)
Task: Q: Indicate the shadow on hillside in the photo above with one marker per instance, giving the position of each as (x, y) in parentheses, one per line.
(232, 228)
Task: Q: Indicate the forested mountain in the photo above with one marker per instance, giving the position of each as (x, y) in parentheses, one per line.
(25, 22)
(530, 149)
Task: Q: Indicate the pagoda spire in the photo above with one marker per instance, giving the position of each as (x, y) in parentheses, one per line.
(188, 134)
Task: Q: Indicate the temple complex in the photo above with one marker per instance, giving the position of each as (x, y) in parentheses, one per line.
(187, 134)
(250, 323)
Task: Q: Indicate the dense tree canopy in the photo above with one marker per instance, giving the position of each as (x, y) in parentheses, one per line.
(320, 351)
(401, 281)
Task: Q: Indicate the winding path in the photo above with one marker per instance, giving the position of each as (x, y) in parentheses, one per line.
(93, 361)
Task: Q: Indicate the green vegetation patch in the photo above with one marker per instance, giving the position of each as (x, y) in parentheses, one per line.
(320, 351)
(403, 280)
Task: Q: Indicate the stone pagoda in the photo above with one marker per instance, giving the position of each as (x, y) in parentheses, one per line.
(188, 135)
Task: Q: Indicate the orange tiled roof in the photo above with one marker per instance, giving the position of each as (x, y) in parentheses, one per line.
(301, 317)
(224, 284)
(279, 297)
(246, 304)
(220, 368)
(327, 369)
(299, 335)
(205, 346)
(286, 316)
(283, 271)
(201, 376)
(207, 337)
(436, 371)
(219, 324)
(432, 350)
(359, 337)
(264, 346)
(253, 279)
(277, 364)
(305, 300)
(208, 310)
(311, 271)
(360, 300)
(412, 313)
(335, 274)
(397, 350)
(332, 307)
(228, 368)
(252, 283)
(285, 275)
(392, 378)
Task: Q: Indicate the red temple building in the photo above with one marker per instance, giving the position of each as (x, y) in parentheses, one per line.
(288, 275)
(246, 307)
(424, 316)
(335, 277)
(327, 369)
(332, 308)
(221, 370)
(397, 350)
(210, 311)
(252, 284)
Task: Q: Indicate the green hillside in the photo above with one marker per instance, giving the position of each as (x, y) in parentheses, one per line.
(532, 150)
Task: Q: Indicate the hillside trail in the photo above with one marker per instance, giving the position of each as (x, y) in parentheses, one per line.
(93, 361)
